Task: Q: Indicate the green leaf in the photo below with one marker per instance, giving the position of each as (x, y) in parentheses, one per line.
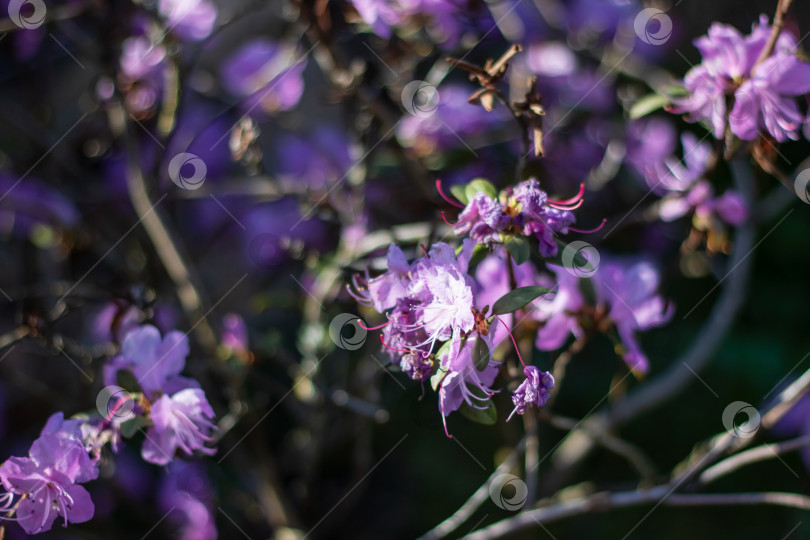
(480, 185)
(514, 300)
(480, 252)
(486, 416)
(480, 354)
(646, 105)
(437, 378)
(675, 90)
(133, 426)
(126, 380)
(459, 193)
(518, 248)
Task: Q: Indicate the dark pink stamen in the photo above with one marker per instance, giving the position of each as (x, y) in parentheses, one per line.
(392, 348)
(444, 218)
(383, 325)
(513, 341)
(572, 200)
(568, 207)
(444, 195)
(599, 228)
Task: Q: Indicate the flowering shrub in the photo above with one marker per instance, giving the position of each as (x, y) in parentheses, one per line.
(251, 249)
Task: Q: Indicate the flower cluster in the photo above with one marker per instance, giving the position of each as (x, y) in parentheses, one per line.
(525, 210)
(762, 92)
(47, 482)
(432, 301)
(534, 390)
(178, 409)
(46, 485)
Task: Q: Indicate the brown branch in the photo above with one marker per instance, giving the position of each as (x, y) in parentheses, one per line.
(778, 23)
(759, 453)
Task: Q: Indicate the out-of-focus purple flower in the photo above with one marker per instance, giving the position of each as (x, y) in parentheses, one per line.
(631, 292)
(47, 479)
(599, 18)
(558, 313)
(766, 100)
(762, 94)
(453, 124)
(141, 58)
(190, 19)
(534, 390)
(156, 362)
(181, 421)
(234, 333)
(447, 19)
(314, 162)
(650, 141)
(266, 75)
(29, 203)
(186, 493)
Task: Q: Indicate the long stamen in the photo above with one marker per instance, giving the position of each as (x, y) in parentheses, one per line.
(599, 228)
(383, 325)
(572, 200)
(517, 350)
(444, 218)
(568, 207)
(444, 195)
(392, 348)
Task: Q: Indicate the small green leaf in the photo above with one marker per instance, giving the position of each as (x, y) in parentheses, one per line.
(514, 300)
(480, 252)
(480, 354)
(459, 193)
(518, 248)
(126, 380)
(480, 185)
(437, 378)
(133, 426)
(675, 90)
(486, 416)
(646, 105)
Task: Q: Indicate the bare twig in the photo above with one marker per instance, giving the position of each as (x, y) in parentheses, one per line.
(759, 453)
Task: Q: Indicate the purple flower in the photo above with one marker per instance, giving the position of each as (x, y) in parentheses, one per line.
(48, 478)
(541, 217)
(186, 493)
(463, 382)
(558, 313)
(156, 362)
(762, 94)
(452, 125)
(483, 218)
(630, 291)
(766, 100)
(535, 389)
(180, 421)
(266, 75)
(234, 333)
(190, 19)
(29, 203)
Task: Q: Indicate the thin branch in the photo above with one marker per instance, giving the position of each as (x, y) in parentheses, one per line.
(476, 500)
(759, 453)
(778, 23)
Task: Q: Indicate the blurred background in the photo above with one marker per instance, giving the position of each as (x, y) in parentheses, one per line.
(299, 161)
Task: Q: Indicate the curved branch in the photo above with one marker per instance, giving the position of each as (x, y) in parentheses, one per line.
(608, 501)
(759, 453)
(476, 500)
